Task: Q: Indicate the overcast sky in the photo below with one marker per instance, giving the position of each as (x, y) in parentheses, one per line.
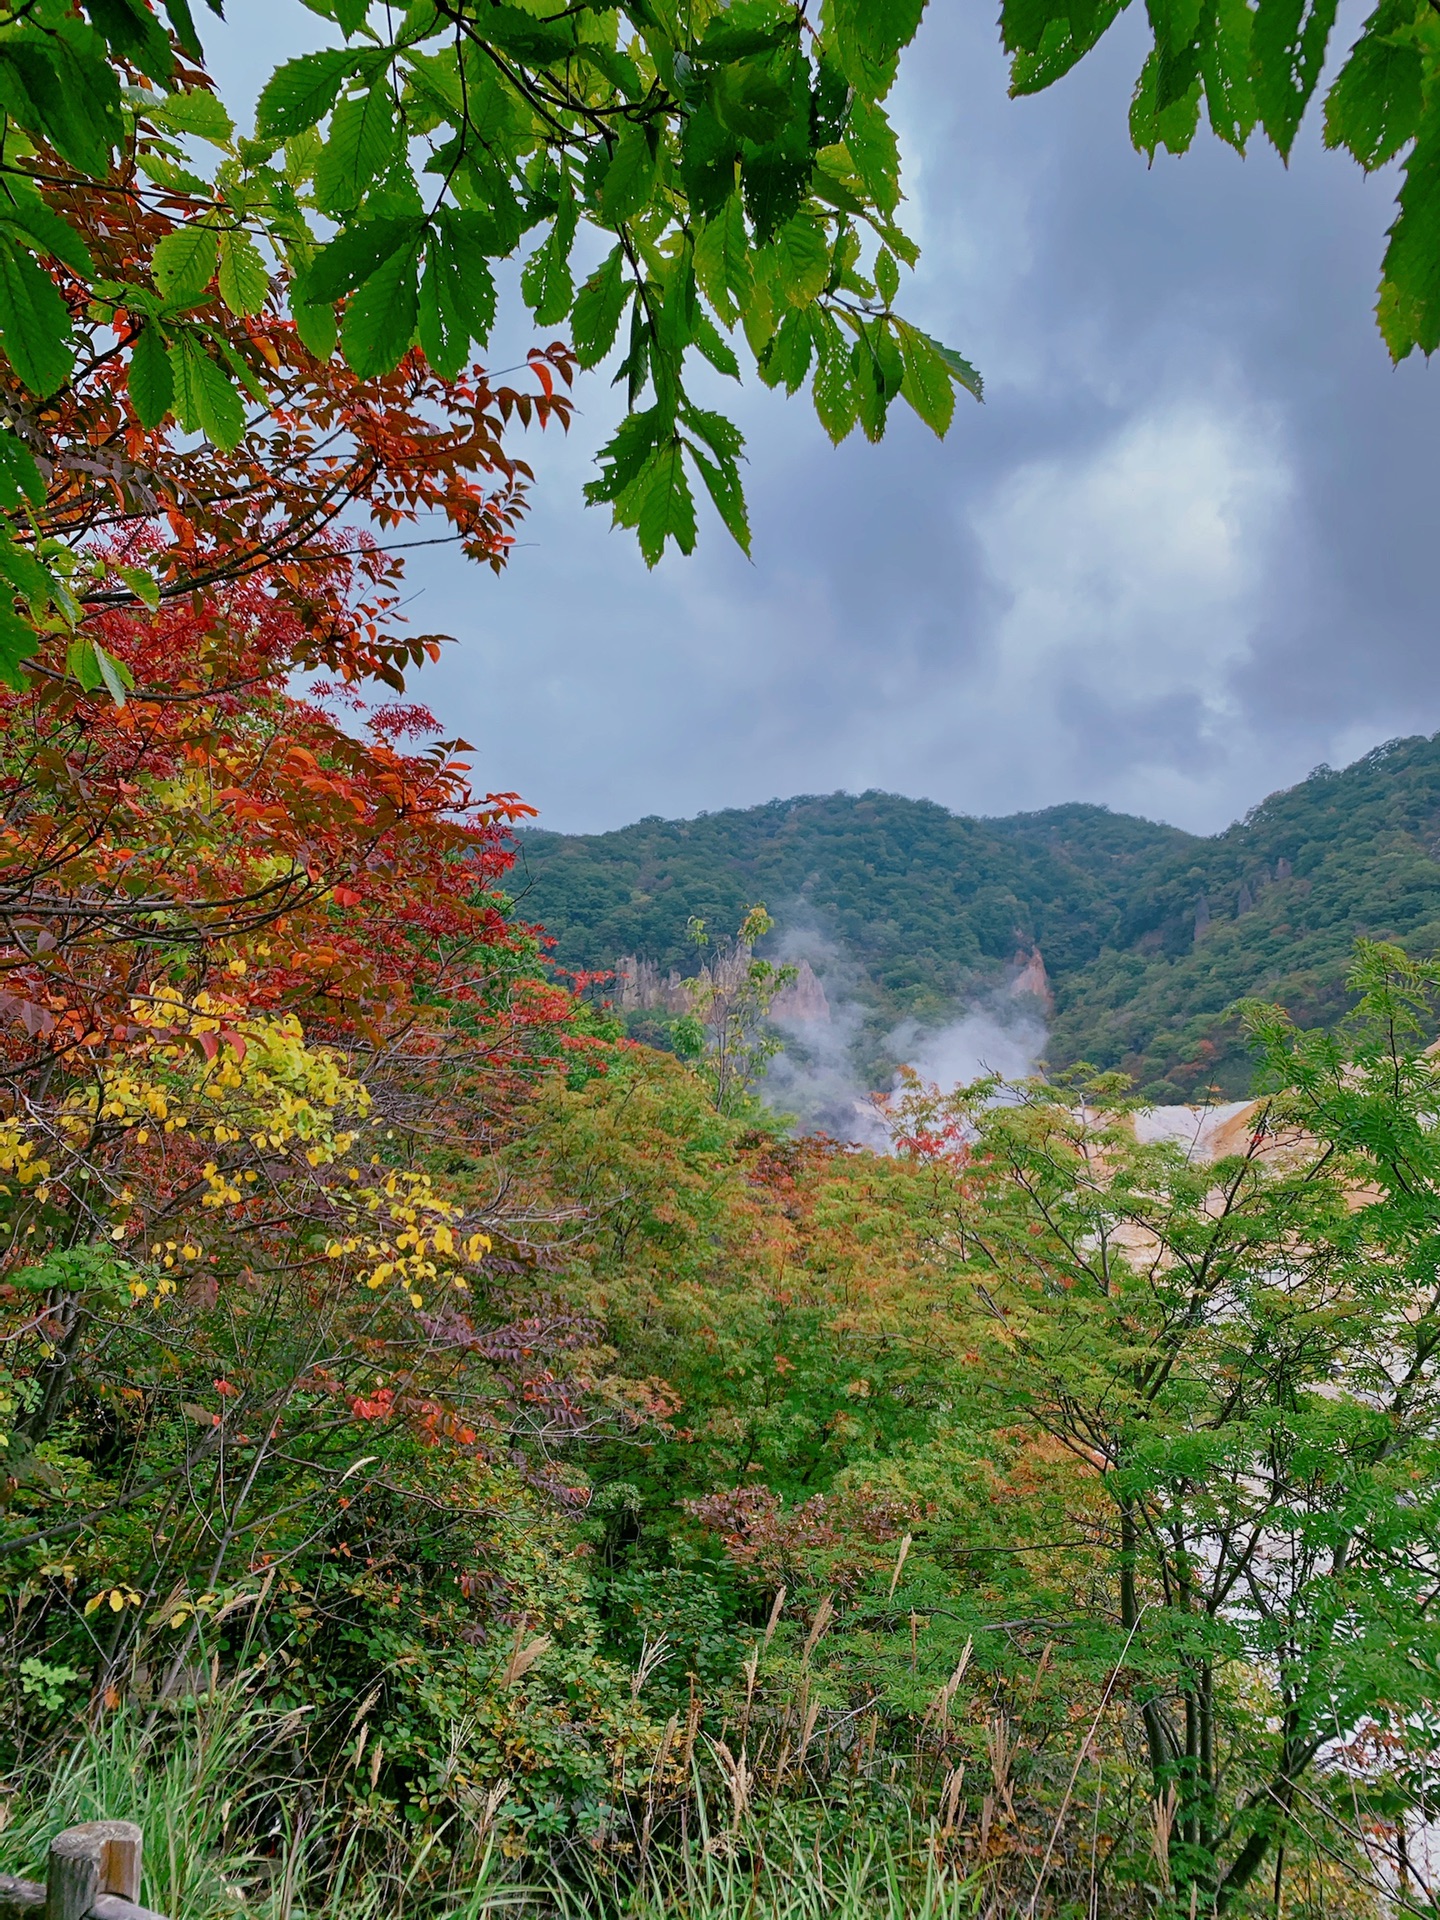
(1182, 554)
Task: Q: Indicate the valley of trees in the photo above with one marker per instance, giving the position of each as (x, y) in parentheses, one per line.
(1149, 935)
(454, 1459)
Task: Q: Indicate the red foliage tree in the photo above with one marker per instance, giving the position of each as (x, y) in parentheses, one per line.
(320, 450)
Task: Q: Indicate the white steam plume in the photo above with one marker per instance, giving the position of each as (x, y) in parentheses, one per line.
(1000, 1031)
(815, 1077)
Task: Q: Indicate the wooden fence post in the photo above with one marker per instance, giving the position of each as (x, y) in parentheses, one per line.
(93, 1874)
(103, 1856)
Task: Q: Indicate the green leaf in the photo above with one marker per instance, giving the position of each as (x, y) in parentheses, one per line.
(1155, 122)
(182, 24)
(1225, 71)
(20, 477)
(468, 237)
(244, 279)
(116, 675)
(722, 436)
(457, 293)
(302, 150)
(316, 325)
(89, 663)
(28, 577)
(380, 319)
(787, 358)
(715, 347)
(679, 311)
(618, 68)
(1065, 42)
(1174, 22)
(961, 370)
(545, 282)
(773, 181)
(722, 483)
(352, 257)
(64, 95)
(527, 36)
(872, 390)
(143, 585)
(131, 31)
(184, 264)
(196, 111)
(152, 386)
(18, 640)
(722, 261)
(1288, 45)
(299, 95)
(205, 401)
(598, 307)
(927, 384)
(630, 177)
(244, 373)
(623, 459)
(731, 35)
(82, 666)
(362, 138)
(443, 336)
(801, 252)
(1409, 306)
(708, 157)
(89, 87)
(1374, 107)
(664, 507)
(34, 321)
(45, 228)
(888, 358)
(887, 276)
(874, 153)
(750, 102)
(865, 38)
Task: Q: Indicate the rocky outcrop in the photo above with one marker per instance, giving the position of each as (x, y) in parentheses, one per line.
(1032, 982)
(640, 987)
(803, 1000)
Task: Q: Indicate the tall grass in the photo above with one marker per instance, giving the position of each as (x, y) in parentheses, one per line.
(778, 1873)
(235, 1826)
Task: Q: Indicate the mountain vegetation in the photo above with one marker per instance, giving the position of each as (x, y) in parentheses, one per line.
(1148, 934)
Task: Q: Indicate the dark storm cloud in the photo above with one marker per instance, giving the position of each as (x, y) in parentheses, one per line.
(1181, 554)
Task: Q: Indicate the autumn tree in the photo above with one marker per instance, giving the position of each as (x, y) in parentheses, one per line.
(265, 1004)
(740, 168)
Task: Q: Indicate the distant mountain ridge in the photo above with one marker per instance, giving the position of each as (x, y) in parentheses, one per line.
(1147, 933)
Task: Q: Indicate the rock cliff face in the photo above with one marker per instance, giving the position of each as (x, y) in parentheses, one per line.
(1032, 981)
(640, 987)
(803, 1000)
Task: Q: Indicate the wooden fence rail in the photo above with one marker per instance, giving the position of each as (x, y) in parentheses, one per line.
(93, 1873)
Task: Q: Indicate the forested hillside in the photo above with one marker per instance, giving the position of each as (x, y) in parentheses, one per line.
(927, 903)
(1148, 933)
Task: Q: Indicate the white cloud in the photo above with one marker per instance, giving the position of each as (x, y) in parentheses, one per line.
(1128, 578)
